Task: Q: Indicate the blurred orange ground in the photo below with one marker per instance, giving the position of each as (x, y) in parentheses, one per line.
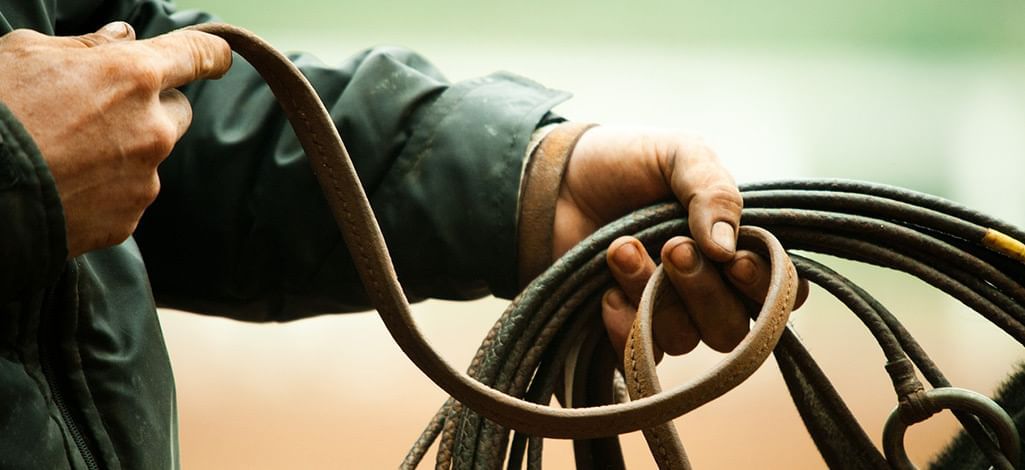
(335, 392)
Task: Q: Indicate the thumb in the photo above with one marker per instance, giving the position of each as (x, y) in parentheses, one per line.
(190, 55)
(712, 198)
(112, 32)
(713, 216)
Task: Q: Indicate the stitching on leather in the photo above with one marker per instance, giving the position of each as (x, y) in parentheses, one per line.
(654, 434)
(338, 193)
(773, 328)
(775, 321)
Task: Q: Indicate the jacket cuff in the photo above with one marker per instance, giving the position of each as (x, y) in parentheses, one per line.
(33, 242)
(542, 180)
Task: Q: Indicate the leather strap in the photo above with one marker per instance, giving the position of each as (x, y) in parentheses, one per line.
(349, 205)
(638, 358)
(540, 191)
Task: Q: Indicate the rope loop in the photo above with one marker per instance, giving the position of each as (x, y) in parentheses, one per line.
(950, 398)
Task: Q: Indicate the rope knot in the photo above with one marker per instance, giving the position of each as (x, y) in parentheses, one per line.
(916, 407)
(914, 403)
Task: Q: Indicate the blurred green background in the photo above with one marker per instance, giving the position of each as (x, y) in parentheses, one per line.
(924, 94)
(918, 26)
(927, 95)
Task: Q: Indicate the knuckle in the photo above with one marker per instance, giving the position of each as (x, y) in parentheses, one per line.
(220, 54)
(197, 53)
(151, 190)
(722, 191)
(720, 194)
(89, 40)
(143, 74)
(155, 141)
(182, 108)
(147, 77)
(144, 195)
(113, 66)
(162, 139)
(206, 51)
(127, 30)
(22, 36)
(133, 71)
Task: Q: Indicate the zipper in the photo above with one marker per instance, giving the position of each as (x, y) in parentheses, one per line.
(48, 361)
(69, 420)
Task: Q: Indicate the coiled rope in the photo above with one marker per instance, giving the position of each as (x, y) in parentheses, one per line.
(549, 336)
(972, 257)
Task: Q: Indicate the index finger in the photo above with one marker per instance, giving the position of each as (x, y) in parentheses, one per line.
(188, 56)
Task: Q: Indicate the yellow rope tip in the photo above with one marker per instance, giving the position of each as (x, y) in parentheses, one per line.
(1004, 245)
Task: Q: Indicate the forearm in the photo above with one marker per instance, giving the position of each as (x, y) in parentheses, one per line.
(240, 227)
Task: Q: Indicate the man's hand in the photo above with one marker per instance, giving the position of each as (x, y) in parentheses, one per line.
(104, 112)
(614, 171)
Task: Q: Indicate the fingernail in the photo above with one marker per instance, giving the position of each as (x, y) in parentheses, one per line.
(724, 236)
(685, 258)
(743, 270)
(615, 299)
(628, 258)
(118, 29)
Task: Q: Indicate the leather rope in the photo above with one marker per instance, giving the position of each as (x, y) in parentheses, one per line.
(974, 258)
(930, 238)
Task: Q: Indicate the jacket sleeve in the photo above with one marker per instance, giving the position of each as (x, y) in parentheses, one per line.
(241, 229)
(33, 246)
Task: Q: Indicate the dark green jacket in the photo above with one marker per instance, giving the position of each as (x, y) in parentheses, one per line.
(239, 229)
